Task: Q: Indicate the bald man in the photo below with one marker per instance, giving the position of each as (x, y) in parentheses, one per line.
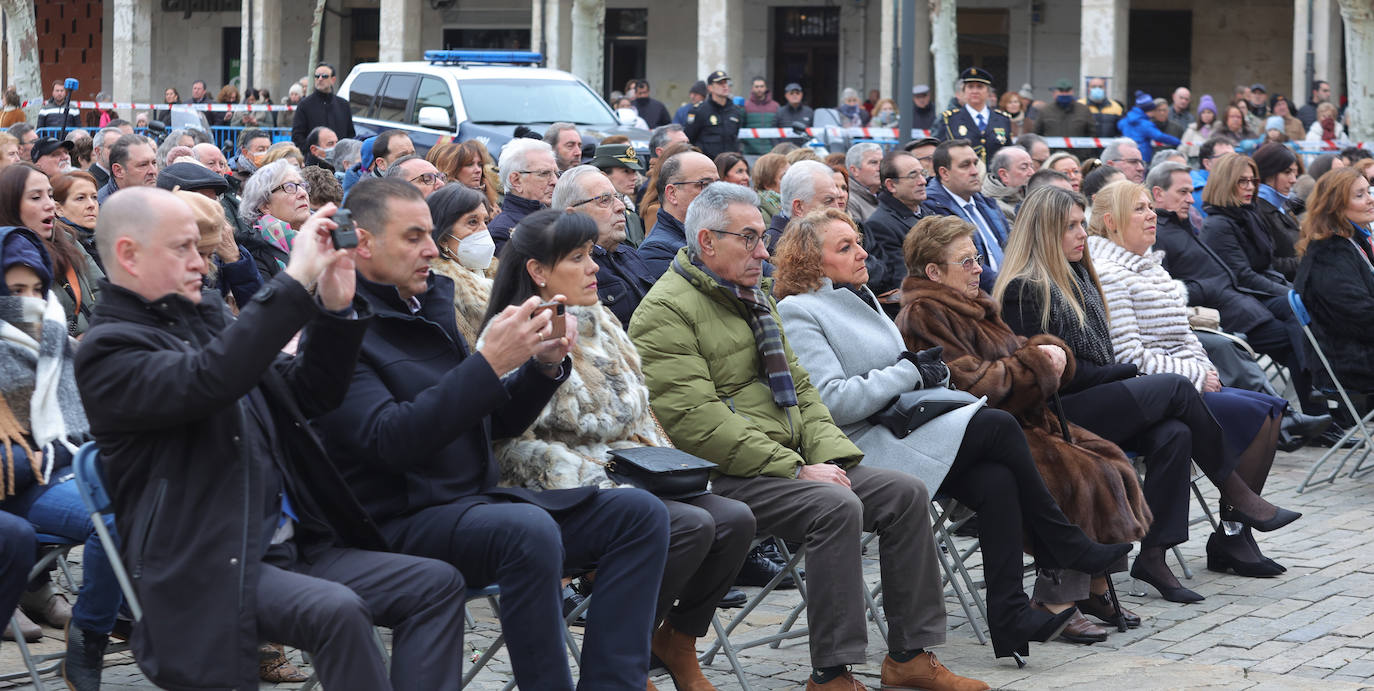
(232, 515)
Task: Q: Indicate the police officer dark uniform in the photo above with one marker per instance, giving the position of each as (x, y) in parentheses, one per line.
(713, 125)
(613, 156)
(988, 128)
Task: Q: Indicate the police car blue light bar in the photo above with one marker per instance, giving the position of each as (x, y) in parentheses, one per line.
(491, 57)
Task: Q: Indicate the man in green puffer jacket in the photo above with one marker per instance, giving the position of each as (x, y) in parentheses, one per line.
(727, 388)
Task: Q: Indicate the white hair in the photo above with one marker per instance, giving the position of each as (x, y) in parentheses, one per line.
(855, 155)
(569, 189)
(710, 209)
(799, 182)
(259, 187)
(515, 157)
(1112, 152)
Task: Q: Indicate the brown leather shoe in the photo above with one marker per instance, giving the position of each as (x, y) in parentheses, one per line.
(926, 673)
(1100, 606)
(47, 604)
(32, 632)
(844, 682)
(275, 668)
(1079, 630)
(677, 652)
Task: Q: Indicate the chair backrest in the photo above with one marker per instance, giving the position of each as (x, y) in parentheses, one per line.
(1299, 309)
(90, 481)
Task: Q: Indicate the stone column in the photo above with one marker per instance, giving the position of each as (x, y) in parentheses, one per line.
(944, 47)
(719, 34)
(1103, 38)
(399, 38)
(1359, 41)
(266, 36)
(888, 30)
(589, 42)
(133, 52)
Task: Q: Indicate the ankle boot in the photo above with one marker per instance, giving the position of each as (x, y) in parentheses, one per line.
(677, 652)
(85, 658)
(31, 632)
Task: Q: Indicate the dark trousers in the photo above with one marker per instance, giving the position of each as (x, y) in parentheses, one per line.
(1163, 418)
(18, 549)
(523, 549)
(830, 518)
(328, 605)
(708, 538)
(1282, 339)
(994, 474)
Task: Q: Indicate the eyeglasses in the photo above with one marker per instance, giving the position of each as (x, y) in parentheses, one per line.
(1132, 161)
(701, 184)
(430, 178)
(605, 200)
(968, 262)
(1247, 182)
(293, 188)
(323, 76)
(913, 175)
(541, 174)
(751, 240)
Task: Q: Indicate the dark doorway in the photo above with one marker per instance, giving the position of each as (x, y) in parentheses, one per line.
(983, 42)
(1160, 52)
(229, 57)
(806, 50)
(487, 39)
(627, 32)
(367, 27)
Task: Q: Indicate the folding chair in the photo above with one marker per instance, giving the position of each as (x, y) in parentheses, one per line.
(785, 630)
(54, 549)
(90, 482)
(1361, 420)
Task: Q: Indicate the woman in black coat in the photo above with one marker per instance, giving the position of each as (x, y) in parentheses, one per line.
(1048, 285)
(1278, 169)
(1234, 228)
(1336, 276)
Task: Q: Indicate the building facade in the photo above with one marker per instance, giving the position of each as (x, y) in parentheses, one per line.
(133, 49)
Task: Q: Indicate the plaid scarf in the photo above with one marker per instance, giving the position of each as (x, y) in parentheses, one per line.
(767, 336)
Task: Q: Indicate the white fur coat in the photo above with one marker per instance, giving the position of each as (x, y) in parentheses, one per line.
(603, 405)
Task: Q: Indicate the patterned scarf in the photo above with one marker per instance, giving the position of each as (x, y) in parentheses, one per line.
(37, 382)
(1090, 340)
(767, 336)
(277, 232)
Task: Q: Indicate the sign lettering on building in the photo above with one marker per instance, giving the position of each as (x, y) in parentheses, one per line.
(186, 7)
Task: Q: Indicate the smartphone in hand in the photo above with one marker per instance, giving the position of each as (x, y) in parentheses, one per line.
(345, 235)
(558, 323)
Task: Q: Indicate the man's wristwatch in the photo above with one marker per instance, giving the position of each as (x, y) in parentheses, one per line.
(547, 366)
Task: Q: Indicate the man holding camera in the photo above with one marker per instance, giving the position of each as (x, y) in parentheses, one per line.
(231, 514)
(413, 437)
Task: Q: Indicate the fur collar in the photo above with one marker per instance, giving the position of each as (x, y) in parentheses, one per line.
(916, 288)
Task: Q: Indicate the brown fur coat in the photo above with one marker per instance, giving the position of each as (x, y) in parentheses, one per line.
(1091, 478)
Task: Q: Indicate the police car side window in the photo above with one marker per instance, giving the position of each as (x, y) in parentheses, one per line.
(395, 97)
(362, 91)
(433, 92)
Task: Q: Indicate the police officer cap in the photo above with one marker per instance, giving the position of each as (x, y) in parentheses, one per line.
(617, 156)
(717, 77)
(976, 74)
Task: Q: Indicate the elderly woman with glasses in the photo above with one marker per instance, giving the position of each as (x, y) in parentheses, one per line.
(1236, 230)
(276, 201)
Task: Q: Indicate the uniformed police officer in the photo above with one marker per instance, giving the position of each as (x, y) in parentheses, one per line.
(988, 128)
(713, 125)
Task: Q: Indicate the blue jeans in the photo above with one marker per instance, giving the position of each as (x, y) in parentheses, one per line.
(17, 549)
(60, 512)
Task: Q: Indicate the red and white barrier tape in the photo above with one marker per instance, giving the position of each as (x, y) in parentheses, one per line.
(211, 107)
(1054, 142)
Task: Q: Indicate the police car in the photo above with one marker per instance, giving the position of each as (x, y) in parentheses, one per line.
(456, 95)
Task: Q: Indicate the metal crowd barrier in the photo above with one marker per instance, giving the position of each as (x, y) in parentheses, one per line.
(226, 138)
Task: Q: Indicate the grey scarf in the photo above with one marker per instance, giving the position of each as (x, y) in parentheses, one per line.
(1090, 340)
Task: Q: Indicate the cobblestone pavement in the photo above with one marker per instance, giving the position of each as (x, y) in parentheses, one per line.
(1311, 628)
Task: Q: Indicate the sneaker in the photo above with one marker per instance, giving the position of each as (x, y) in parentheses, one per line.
(85, 658)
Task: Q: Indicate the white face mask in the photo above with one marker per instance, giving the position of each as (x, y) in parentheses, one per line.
(475, 251)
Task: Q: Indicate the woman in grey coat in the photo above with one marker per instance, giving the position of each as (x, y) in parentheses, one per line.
(977, 455)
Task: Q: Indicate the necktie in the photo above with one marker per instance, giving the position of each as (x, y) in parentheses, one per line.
(990, 246)
(982, 123)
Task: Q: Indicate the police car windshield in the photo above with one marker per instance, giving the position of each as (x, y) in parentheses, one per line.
(504, 102)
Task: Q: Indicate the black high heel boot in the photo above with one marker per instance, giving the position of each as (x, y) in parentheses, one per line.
(1222, 560)
(1028, 625)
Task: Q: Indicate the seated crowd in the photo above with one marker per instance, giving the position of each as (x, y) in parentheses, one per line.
(303, 441)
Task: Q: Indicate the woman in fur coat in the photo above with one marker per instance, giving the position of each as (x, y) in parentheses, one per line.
(604, 405)
(1090, 476)
(974, 454)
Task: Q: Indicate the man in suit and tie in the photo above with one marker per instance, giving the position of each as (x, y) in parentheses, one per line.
(957, 191)
(986, 128)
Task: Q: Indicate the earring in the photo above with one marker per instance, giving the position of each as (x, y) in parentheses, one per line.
(541, 284)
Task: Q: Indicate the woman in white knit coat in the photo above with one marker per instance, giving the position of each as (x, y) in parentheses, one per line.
(1147, 309)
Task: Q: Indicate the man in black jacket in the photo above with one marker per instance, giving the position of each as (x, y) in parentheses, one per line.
(899, 209)
(322, 109)
(231, 514)
(414, 440)
(713, 125)
(653, 111)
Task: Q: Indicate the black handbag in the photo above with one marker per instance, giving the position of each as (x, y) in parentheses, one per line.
(666, 472)
(906, 413)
